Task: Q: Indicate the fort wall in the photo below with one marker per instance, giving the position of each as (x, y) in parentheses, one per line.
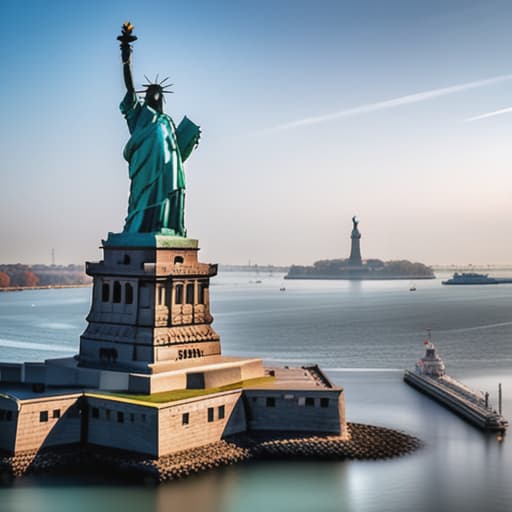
(8, 423)
(295, 410)
(123, 425)
(48, 421)
(200, 421)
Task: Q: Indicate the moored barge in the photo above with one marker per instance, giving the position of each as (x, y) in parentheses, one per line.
(429, 377)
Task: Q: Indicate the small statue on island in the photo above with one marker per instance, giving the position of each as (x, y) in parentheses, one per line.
(155, 154)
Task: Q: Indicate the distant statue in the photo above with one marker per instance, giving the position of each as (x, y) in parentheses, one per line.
(355, 248)
(155, 154)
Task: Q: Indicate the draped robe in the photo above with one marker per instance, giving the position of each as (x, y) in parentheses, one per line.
(155, 154)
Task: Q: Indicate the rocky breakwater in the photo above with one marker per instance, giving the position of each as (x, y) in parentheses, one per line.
(364, 442)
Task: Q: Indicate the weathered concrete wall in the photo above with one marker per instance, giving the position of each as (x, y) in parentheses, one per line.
(237, 422)
(221, 376)
(252, 369)
(304, 410)
(8, 423)
(342, 414)
(204, 423)
(48, 421)
(35, 373)
(11, 372)
(112, 381)
(122, 425)
(149, 384)
(60, 375)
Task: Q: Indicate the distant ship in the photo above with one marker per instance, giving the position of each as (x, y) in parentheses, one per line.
(473, 278)
(430, 377)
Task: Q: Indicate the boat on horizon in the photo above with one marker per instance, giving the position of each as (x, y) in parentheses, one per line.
(474, 278)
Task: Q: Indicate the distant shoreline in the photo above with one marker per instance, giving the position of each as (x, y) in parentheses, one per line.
(361, 277)
(45, 287)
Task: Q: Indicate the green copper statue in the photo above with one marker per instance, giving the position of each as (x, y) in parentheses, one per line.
(155, 154)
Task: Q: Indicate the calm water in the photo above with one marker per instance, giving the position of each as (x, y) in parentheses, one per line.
(363, 334)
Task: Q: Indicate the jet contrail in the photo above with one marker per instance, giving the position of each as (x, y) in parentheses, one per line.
(394, 102)
(489, 114)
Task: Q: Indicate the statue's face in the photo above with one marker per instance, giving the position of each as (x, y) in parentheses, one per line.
(154, 97)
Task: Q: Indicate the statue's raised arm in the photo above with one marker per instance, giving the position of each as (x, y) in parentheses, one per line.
(126, 38)
(155, 153)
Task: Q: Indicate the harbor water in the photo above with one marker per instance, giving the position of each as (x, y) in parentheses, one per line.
(363, 334)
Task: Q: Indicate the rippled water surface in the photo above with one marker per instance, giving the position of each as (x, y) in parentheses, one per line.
(363, 334)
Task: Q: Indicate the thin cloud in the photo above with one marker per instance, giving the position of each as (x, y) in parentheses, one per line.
(489, 114)
(392, 103)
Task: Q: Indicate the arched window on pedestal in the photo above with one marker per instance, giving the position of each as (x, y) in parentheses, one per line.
(128, 293)
(117, 292)
(105, 292)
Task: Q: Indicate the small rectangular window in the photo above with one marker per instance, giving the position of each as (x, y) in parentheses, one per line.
(302, 401)
(56, 413)
(43, 416)
(185, 418)
(132, 417)
(120, 417)
(190, 293)
(143, 418)
(2, 414)
(324, 402)
(210, 414)
(271, 401)
(107, 414)
(178, 299)
(310, 402)
(222, 412)
(95, 412)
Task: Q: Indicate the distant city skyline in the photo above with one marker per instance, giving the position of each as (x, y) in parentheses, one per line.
(398, 112)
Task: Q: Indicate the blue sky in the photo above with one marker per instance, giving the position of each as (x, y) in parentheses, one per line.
(311, 112)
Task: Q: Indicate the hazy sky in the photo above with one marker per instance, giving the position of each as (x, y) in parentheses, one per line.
(311, 112)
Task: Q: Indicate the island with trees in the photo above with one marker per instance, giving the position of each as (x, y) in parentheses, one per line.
(355, 268)
(370, 269)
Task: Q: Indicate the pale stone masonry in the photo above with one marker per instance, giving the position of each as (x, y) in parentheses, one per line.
(33, 420)
(150, 377)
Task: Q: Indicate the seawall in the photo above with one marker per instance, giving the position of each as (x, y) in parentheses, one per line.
(363, 442)
(482, 418)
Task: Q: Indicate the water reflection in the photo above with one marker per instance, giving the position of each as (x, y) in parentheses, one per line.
(339, 325)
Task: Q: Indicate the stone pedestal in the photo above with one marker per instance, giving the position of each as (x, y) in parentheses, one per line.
(150, 305)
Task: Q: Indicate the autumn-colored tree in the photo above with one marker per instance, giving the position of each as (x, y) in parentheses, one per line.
(30, 278)
(5, 280)
(24, 278)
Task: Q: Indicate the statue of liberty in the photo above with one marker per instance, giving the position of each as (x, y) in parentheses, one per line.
(155, 154)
